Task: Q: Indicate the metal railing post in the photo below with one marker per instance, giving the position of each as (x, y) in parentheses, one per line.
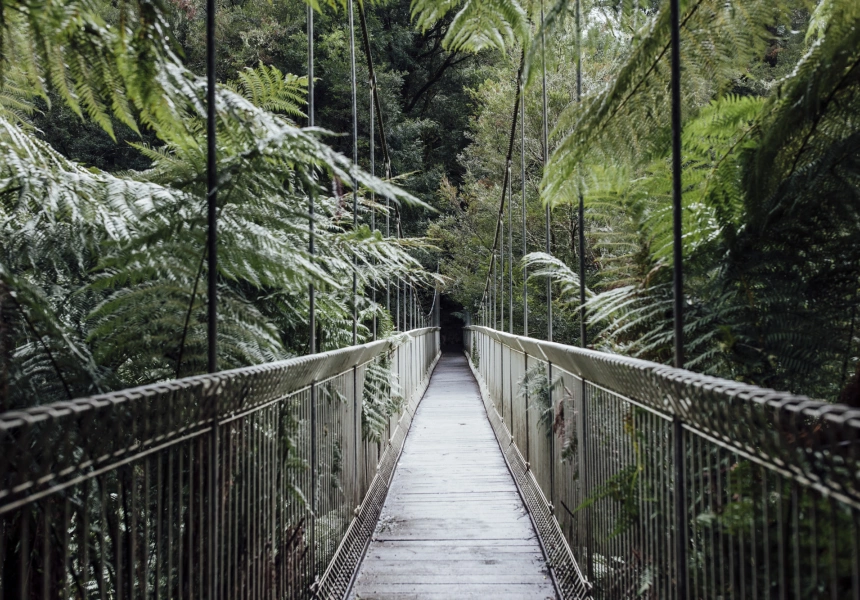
(551, 441)
(526, 395)
(680, 509)
(212, 492)
(313, 490)
(582, 464)
(501, 371)
(356, 407)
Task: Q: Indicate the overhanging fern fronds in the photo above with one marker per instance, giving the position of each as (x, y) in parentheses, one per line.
(269, 89)
(477, 24)
(630, 116)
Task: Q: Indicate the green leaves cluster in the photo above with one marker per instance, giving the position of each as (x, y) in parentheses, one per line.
(770, 219)
(770, 176)
(103, 275)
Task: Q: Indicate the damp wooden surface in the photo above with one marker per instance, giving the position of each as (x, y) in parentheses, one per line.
(453, 525)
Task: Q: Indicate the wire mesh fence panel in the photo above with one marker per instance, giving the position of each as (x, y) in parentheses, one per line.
(240, 484)
(521, 415)
(569, 467)
(667, 484)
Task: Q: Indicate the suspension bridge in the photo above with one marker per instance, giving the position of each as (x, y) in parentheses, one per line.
(512, 468)
(518, 468)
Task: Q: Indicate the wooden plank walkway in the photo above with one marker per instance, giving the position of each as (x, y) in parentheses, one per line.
(453, 525)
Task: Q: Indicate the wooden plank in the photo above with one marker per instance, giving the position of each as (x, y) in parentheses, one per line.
(453, 524)
(460, 591)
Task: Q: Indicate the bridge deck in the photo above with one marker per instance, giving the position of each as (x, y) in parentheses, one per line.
(453, 525)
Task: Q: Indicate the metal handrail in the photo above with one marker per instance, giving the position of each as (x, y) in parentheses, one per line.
(768, 481)
(788, 432)
(111, 495)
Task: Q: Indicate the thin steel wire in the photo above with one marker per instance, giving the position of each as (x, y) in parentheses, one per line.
(677, 204)
(678, 281)
(312, 315)
(211, 195)
(354, 90)
(502, 260)
(500, 216)
(545, 158)
(523, 189)
(583, 327)
(510, 251)
(372, 195)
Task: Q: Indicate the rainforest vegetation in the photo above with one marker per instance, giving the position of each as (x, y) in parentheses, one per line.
(103, 158)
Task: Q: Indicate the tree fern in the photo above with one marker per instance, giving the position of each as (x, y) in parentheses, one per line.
(477, 24)
(107, 268)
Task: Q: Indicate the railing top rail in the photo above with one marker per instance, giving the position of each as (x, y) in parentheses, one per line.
(815, 442)
(47, 446)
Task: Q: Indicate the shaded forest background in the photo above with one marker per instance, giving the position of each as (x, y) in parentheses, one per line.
(771, 173)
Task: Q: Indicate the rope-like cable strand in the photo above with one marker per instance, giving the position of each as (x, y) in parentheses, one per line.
(523, 186)
(354, 87)
(510, 250)
(501, 281)
(545, 158)
(386, 157)
(383, 140)
(582, 324)
(511, 139)
(211, 195)
(312, 316)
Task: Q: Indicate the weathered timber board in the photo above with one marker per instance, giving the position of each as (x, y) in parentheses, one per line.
(453, 525)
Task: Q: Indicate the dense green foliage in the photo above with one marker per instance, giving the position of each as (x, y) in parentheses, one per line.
(770, 155)
(103, 158)
(103, 262)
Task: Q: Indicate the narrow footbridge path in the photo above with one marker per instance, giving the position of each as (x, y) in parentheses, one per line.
(453, 524)
(522, 469)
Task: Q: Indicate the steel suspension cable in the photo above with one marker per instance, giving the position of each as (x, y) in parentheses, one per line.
(312, 317)
(372, 194)
(501, 213)
(383, 140)
(679, 449)
(502, 263)
(523, 186)
(545, 159)
(586, 476)
(495, 292)
(677, 249)
(211, 194)
(212, 289)
(386, 157)
(354, 89)
(510, 251)
(582, 324)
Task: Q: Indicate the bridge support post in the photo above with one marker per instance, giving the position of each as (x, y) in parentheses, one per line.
(212, 492)
(356, 407)
(526, 395)
(680, 510)
(551, 439)
(582, 460)
(313, 490)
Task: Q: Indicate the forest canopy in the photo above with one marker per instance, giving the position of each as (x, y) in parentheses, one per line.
(103, 191)
(770, 186)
